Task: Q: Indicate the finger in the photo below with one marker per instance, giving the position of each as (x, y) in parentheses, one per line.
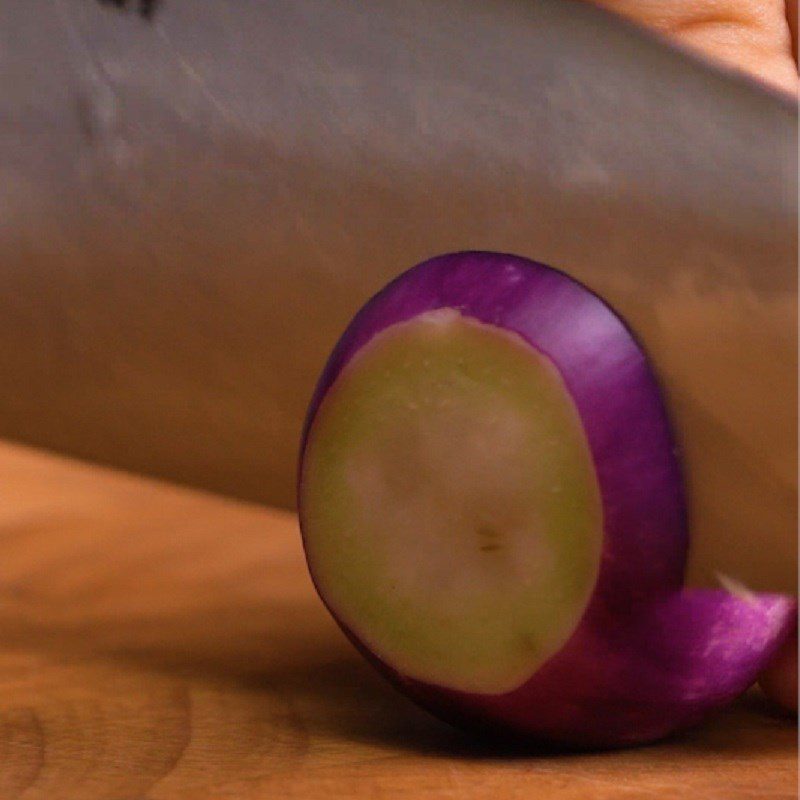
(749, 35)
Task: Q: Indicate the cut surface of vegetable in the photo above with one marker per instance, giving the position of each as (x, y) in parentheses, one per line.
(492, 508)
(452, 509)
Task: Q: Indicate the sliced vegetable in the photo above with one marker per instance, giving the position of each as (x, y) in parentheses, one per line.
(493, 510)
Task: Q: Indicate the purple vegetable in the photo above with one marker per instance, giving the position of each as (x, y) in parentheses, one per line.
(492, 509)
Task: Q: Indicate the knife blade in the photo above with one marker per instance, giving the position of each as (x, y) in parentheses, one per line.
(195, 203)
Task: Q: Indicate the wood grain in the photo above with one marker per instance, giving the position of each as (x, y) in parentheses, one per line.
(160, 643)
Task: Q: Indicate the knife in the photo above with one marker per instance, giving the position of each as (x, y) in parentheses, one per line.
(195, 200)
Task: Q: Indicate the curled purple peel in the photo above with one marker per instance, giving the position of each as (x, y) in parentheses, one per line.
(646, 657)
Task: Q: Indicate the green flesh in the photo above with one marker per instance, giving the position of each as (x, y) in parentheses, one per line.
(451, 511)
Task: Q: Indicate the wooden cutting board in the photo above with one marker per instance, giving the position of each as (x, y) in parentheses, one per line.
(160, 643)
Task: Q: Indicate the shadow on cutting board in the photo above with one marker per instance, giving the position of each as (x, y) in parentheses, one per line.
(319, 685)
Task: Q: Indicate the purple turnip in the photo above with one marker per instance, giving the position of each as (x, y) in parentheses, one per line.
(493, 510)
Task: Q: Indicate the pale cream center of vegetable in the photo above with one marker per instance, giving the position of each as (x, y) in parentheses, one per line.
(450, 506)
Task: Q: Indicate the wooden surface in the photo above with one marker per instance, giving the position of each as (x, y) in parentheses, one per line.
(160, 643)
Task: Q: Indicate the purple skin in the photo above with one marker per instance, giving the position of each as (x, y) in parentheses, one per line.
(647, 657)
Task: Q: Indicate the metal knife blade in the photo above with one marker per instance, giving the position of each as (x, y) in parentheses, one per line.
(193, 206)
